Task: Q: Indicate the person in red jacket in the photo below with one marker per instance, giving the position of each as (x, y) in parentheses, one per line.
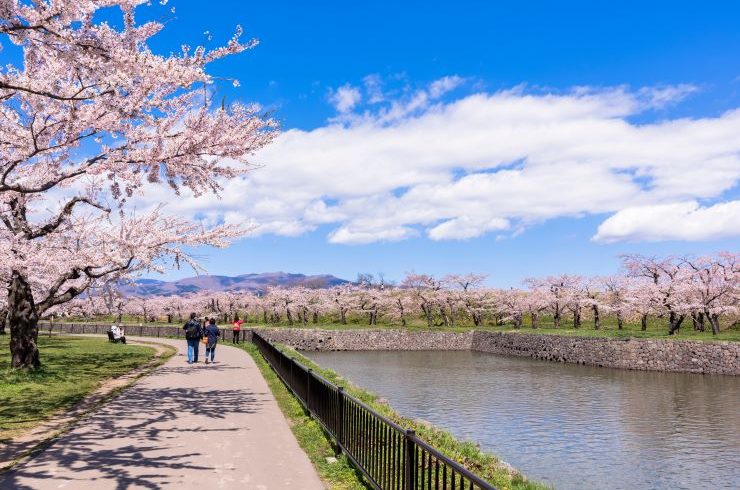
(237, 328)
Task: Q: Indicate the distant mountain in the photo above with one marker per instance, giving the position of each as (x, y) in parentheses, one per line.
(244, 282)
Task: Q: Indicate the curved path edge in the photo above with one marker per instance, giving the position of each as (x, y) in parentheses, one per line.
(37, 438)
(180, 426)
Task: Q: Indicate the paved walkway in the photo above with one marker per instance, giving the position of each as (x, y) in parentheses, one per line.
(183, 426)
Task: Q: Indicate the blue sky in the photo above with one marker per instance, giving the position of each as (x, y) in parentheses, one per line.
(308, 51)
(349, 74)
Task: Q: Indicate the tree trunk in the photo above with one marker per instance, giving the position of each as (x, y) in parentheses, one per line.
(24, 330)
(428, 313)
(620, 321)
(316, 317)
(535, 320)
(577, 318)
(597, 318)
(3, 317)
(517, 321)
(674, 323)
(343, 315)
(289, 315)
(698, 320)
(477, 319)
(169, 317)
(556, 316)
(643, 323)
(714, 321)
(445, 317)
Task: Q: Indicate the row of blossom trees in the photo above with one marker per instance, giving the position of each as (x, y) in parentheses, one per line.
(700, 290)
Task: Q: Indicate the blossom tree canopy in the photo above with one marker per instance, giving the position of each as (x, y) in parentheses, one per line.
(89, 120)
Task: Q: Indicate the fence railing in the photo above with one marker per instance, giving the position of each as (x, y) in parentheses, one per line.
(49, 328)
(389, 456)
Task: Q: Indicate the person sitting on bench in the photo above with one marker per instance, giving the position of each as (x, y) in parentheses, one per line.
(118, 334)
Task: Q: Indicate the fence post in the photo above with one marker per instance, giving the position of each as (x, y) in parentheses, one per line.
(340, 422)
(308, 389)
(410, 460)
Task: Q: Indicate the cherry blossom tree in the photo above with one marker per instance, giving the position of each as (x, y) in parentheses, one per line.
(398, 304)
(671, 280)
(714, 285)
(538, 301)
(91, 120)
(576, 297)
(423, 288)
(472, 294)
(344, 299)
(514, 302)
(615, 290)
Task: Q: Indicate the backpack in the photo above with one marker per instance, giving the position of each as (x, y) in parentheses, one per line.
(193, 330)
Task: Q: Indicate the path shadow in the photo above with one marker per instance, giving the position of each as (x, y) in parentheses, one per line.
(136, 440)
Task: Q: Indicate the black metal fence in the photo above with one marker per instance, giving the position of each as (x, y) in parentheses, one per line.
(389, 456)
(46, 327)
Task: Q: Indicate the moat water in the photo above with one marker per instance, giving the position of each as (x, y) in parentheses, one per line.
(566, 425)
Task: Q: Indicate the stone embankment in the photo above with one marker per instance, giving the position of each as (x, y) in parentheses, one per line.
(643, 354)
(361, 339)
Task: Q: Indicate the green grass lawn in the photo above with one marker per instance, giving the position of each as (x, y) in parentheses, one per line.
(72, 367)
(656, 329)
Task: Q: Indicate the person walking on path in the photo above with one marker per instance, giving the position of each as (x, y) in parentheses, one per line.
(193, 334)
(237, 328)
(211, 333)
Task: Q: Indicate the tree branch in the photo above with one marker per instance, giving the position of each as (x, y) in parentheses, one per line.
(63, 215)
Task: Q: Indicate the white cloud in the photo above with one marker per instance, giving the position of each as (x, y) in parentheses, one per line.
(676, 221)
(659, 97)
(487, 162)
(348, 236)
(345, 98)
(463, 228)
(440, 87)
(374, 88)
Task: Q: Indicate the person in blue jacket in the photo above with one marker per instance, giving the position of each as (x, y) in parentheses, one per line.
(211, 333)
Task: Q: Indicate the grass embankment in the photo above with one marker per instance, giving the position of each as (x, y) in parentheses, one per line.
(341, 474)
(72, 368)
(656, 329)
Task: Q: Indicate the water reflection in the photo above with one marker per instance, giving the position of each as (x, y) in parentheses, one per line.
(568, 425)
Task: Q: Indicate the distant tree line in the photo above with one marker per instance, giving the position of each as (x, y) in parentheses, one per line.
(699, 290)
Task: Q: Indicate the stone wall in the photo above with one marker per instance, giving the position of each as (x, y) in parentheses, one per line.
(642, 354)
(362, 339)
